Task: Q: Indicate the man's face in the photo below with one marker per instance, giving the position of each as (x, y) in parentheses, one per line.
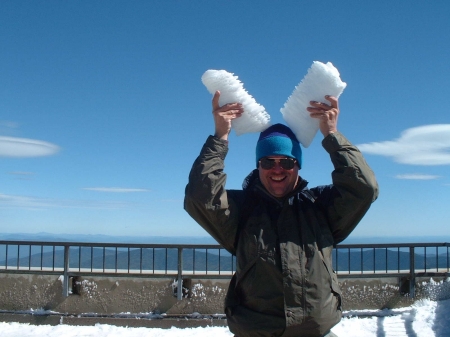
(277, 180)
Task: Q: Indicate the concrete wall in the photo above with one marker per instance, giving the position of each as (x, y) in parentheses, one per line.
(103, 295)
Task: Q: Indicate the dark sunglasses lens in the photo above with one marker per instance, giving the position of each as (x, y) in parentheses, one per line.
(286, 163)
(266, 163)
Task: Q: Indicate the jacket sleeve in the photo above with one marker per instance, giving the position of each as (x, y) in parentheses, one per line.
(206, 199)
(354, 187)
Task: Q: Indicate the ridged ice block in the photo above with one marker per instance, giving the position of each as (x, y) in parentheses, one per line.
(321, 79)
(255, 118)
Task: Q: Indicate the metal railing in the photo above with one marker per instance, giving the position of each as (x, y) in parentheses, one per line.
(72, 259)
(404, 260)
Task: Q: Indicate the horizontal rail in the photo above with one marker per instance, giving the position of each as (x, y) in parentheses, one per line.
(207, 261)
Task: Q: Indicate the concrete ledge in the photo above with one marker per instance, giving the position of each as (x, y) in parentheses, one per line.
(107, 297)
(163, 323)
(31, 319)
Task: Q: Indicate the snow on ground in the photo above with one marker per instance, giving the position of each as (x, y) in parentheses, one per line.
(426, 318)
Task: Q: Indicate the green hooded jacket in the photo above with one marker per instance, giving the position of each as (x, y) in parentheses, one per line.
(284, 283)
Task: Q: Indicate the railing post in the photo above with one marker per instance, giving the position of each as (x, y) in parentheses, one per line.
(180, 270)
(66, 271)
(412, 275)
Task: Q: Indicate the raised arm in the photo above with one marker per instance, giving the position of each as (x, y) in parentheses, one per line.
(206, 199)
(223, 115)
(354, 185)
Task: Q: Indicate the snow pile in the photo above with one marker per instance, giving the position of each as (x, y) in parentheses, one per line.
(321, 79)
(426, 318)
(255, 118)
(89, 287)
(437, 291)
(103, 330)
(198, 290)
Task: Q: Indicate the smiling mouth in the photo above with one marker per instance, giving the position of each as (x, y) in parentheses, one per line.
(277, 179)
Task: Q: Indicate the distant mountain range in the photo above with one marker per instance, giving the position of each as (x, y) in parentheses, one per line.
(157, 259)
(109, 258)
(100, 238)
(388, 259)
(43, 236)
(200, 260)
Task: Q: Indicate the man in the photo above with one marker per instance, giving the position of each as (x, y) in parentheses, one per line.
(281, 232)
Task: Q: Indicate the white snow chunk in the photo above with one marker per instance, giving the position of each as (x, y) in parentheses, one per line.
(255, 118)
(321, 79)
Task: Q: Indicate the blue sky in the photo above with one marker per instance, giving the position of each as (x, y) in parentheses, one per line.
(102, 110)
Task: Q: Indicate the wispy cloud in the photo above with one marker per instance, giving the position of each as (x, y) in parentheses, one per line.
(417, 176)
(35, 203)
(8, 124)
(115, 189)
(23, 147)
(22, 175)
(423, 145)
(16, 201)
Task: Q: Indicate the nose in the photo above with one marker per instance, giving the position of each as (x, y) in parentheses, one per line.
(277, 167)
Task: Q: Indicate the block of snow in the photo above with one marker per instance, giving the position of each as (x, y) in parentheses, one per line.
(255, 118)
(322, 79)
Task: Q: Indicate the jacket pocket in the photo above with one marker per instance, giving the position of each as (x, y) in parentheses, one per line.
(333, 280)
(336, 289)
(247, 255)
(231, 299)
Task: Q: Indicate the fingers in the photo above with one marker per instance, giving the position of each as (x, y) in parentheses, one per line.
(223, 115)
(230, 110)
(215, 100)
(326, 113)
(333, 101)
(319, 107)
(229, 114)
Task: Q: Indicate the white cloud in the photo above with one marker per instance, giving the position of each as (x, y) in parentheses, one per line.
(115, 189)
(22, 175)
(22, 147)
(423, 145)
(9, 124)
(15, 201)
(34, 203)
(417, 176)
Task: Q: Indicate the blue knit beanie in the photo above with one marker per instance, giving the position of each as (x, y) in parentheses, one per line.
(278, 140)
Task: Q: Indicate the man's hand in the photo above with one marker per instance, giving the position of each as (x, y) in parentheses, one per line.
(326, 113)
(223, 115)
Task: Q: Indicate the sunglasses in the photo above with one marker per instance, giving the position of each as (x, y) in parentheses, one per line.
(269, 163)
